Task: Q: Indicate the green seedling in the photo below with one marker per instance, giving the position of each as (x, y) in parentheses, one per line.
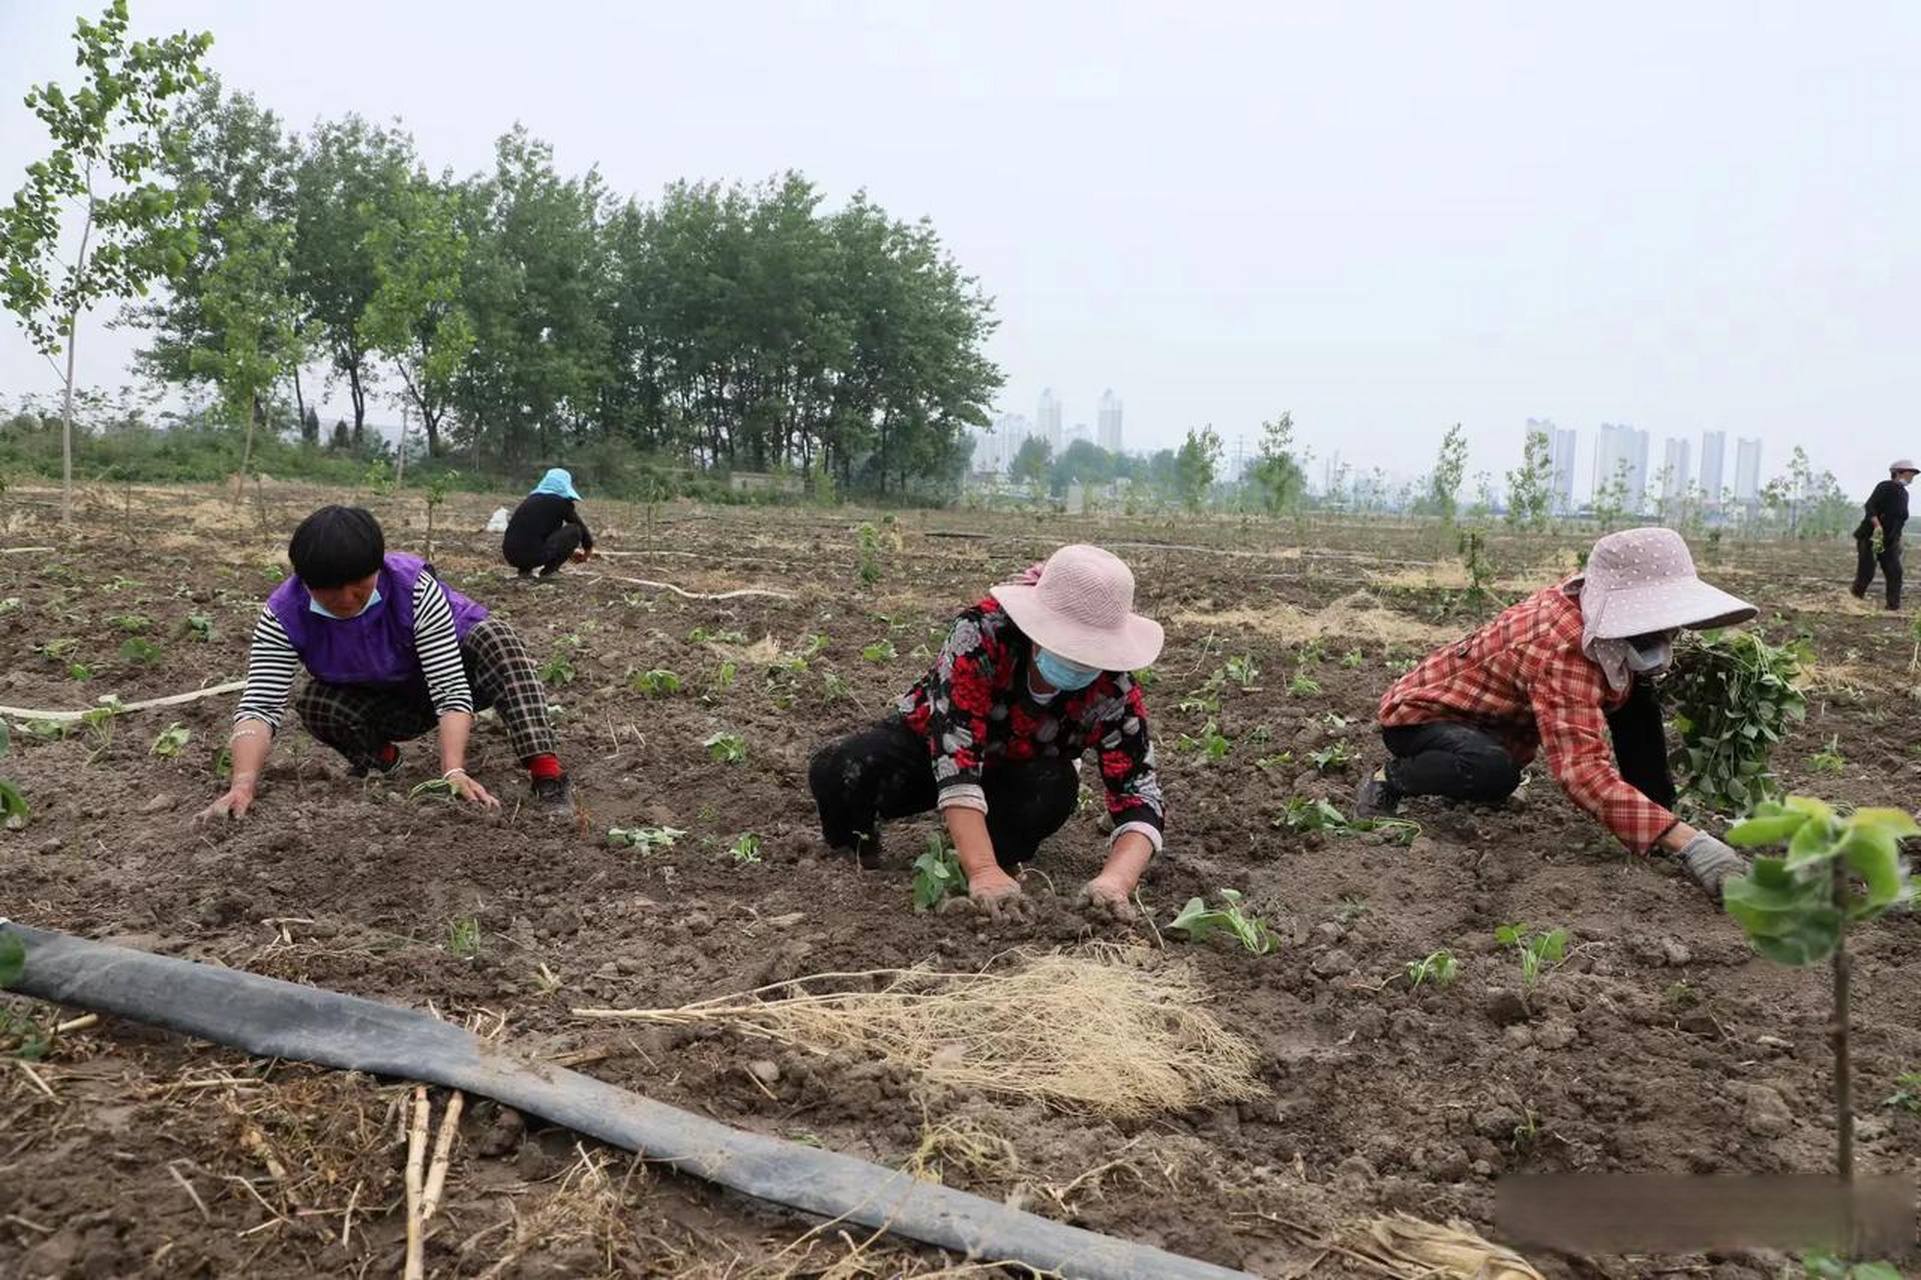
(1199, 703)
(879, 651)
(645, 839)
(1333, 758)
(1538, 952)
(725, 748)
(1211, 744)
(463, 938)
(13, 805)
(870, 548)
(200, 627)
(1245, 672)
(223, 763)
(79, 671)
(1198, 920)
(1353, 659)
(433, 789)
(1314, 650)
(1829, 759)
(1353, 907)
(1438, 967)
(99, 722)
(656, 683)
(1838, 870)
(58, 650)
(1825, 1266)
(119, 582)
(557, 671)
(134, 624)
(937, 875)
(724, 676)
(835, 687)
(1278, 760)
(746, 850)
(701, 635)
(172, 740)
(1303, 685)
(1907, 1093)
(139, 649)
(9, 605)
(1302, 814)
(815, 646)
(1146, 677)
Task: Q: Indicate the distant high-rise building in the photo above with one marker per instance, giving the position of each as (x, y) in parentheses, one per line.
(1675, 472)
(995, 453)
(1561, 453)
(1109, 422)
(1621, 457)
(1047, 422)
(1714, 446)
(1747, 469)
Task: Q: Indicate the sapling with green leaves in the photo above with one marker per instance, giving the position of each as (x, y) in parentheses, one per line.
(435, 496)
(1198, 921)
(1732, 696)
(1211, 744)
(1907, 1093)
(870, 548)
(725, 748)
(1332, 758)
(557, 671)
(1839, 870)
(1244, 672)
(1538, 950)
(172, 741)
(881, 651)
(1829, 758)
(1437, 967)
(463, 937)
(937, 875)
(646, 839)
(746, 850)
(1303, 685)
(139, 649)
(656, 683)
(199, 626)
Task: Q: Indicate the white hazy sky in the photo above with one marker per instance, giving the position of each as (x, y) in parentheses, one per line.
(1386, 217)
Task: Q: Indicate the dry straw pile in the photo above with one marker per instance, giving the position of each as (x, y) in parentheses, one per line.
(1101, 1032)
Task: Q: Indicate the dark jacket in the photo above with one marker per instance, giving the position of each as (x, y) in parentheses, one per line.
(1890, 502)
(533, 522)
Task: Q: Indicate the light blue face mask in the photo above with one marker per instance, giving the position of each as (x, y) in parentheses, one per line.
(316, 607)
(1061, 673)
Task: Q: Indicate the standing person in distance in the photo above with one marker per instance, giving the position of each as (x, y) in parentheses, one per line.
(391, 653)
(1029, 679)
(1886, 510)
(546, 530)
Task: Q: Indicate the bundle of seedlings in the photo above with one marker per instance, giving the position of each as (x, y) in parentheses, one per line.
(1732, 697)
(1093, 1033)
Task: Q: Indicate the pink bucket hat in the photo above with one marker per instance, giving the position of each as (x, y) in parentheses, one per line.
(1642, 580)
(1081, 607)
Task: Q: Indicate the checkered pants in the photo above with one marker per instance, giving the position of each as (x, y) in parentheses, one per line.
(357, 720)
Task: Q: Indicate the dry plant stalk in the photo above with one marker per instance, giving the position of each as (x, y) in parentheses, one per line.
(443, 1152)
(1094, 1033)
(1406, 1248)
(416, 1159)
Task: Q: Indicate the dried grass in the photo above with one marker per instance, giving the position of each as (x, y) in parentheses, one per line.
(1355, 618)
(1098, 1033)
(1406, 1248)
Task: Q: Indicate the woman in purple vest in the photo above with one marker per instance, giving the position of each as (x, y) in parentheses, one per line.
(393, 652)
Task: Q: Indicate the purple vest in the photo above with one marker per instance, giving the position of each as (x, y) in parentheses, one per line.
(378, 646)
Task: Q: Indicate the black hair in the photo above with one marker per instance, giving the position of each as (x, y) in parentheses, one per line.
(337, 545)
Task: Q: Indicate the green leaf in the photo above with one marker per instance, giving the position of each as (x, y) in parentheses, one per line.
(1898, 823)
(1770, 903)
(13, 959)
(1876, 858)
(13, 805)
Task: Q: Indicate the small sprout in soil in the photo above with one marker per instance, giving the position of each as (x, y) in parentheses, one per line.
(1332, 759)
(1353, 907)
(1197, 920)
(835, 687)
(13, 810)
(139, 649)
(1438, 967)
(1825, 1266)
(815, 646)
(223, 762)
(1245, 672)
(655, 683)
(1279, 759)
(1302, 814)
(1336, 722)
(1353, 659)
(463, 938)
(746, 850)
(1199, 703)
(1683, 995)
(1829, 759)
(879, 651)
(701, 635)
(1211, 744)
(1907, 1093)
(1259, 733)
(937, 875)
(48, 730)
(172, 740)
(134, 624)
(646, 839)
(725, 748)
(432, 789)
(79, 671)
(8, 605)
(1314, 650)
(1538, 952)
(1146, 677)
(58, 650)
(724, 676)
(119, 582)
(557, 671)
(1303, 685)
(200, 627)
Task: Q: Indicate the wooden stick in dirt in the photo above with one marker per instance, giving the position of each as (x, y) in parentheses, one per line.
(416, 1158)
(443, 1151)
(24, 551)
(80, 1023)
(702, 595)
(172, 700)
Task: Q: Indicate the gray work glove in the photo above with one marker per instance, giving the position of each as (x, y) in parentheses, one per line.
(1710, 862)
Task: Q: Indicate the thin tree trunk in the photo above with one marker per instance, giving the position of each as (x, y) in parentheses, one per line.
(246, 448)
(1843, 1067)
(359, 395)
(299, 402)
(66, 431)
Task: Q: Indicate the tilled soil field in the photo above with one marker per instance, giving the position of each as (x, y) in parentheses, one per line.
(1662, 1044)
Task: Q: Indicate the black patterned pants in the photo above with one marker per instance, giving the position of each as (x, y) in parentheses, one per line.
(357, 720)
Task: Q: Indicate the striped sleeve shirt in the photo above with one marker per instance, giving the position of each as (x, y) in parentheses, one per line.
(271, 661)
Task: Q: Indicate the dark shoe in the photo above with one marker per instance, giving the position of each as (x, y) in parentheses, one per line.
(383, 764)
(556, 795)
(525, 575)
(1859, 593)
(1376, 797)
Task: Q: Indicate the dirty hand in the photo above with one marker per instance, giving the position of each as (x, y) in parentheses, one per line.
(1105, 899)
(580, 557)
(1709, 862)
(996, 895)
(467, 789)
(234, 804)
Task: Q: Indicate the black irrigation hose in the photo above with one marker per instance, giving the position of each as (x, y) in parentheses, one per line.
(273, 1019)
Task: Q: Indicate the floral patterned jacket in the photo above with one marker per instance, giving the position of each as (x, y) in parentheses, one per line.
(976, 712)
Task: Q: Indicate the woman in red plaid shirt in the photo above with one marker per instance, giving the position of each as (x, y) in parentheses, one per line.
(1567, 672)
(1030, 678)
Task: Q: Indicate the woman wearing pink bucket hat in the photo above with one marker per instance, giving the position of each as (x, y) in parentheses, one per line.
(1029, 679)
(1567, 672)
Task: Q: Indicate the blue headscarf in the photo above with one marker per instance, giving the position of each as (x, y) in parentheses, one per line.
(558, 483)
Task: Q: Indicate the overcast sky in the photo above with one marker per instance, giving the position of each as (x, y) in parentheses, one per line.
(1385, 217)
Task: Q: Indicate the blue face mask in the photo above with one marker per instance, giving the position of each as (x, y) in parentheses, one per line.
(1061, 673)
(315, 606)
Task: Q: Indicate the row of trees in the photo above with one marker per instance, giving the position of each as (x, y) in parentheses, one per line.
(514, 314)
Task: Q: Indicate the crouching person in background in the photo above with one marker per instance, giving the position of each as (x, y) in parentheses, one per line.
(546, 530)
(1029, 679)
(391, 652)
(1569, 671)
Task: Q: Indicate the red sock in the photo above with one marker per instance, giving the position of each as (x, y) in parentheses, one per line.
(544, 766)
(389, 753)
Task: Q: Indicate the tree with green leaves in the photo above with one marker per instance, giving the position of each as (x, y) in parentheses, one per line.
(1279, 474)
(1195, 464)
(415, 318)
(1444, 486)
(95, 220)
(253, 320)
(1030, 462)
(1530, 487)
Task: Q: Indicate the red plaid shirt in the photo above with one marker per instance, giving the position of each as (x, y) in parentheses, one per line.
(1524, 679)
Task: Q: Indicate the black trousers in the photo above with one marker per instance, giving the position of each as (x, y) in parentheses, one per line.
(1890, 562)
(886, 772)
(558, 547)
(1465, 762)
